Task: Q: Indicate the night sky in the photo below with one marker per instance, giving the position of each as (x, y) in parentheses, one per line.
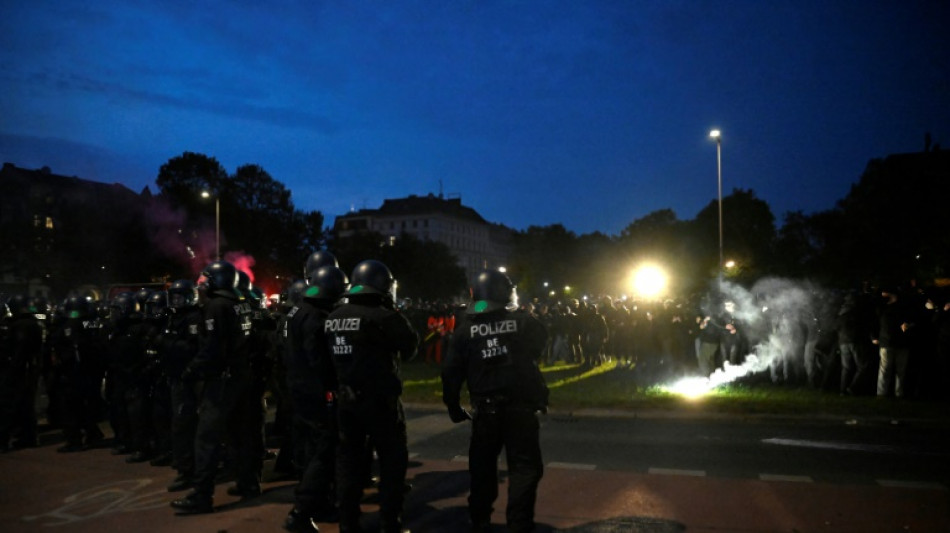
(591, 114)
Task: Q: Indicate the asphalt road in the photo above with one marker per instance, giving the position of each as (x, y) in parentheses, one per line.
(604, 472)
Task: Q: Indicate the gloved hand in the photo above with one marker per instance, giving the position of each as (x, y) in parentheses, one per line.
(458, 414)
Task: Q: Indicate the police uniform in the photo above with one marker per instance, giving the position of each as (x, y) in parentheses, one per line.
(78, 369)
(496, 353)
(223, 362)
(180, 344)
(21, 346)
(310, 376)
(366, 336)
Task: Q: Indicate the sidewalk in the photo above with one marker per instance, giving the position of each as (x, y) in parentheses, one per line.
(93, 491)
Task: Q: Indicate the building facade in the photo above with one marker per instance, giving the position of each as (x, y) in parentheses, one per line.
(476, 243)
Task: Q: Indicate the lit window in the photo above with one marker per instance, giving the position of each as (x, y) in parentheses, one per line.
(49, 222)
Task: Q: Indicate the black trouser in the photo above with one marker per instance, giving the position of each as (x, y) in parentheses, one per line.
(162, 415)
(138, 405)
(379, 420)
(17, 408)
(79, 406)
(316, 492)
(118, 384)
(517, 430)
(220, 406)
(184, 423)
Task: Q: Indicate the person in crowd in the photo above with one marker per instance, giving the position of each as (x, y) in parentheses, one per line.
(496, 354)
(892, 340)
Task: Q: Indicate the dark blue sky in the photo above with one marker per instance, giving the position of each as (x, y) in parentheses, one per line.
(591, 114)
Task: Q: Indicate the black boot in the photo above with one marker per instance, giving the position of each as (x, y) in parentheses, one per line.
(245, 492)
(181, 482)
(300, 523)
(194, 503)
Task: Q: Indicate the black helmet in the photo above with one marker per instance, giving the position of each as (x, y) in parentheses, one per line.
(156, 306)
(318, 259)
(20, 305)
(372, 277)
(492, 291)
(220, 275)
(124, 305)
(326, 283)
(142, 295)
(295, 292)
(77, 307)
(182, 294)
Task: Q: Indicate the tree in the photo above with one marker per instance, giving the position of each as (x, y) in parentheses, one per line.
(544, 254)
(748, 233)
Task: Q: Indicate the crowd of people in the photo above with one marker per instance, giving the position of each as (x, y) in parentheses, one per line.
(181, 374)
(886, 340)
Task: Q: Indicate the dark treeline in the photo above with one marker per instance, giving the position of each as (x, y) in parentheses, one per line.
(891, 227)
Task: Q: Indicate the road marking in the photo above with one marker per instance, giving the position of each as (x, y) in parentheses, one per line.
(827, 445)
(571, 466)
(102, 500)
(460, 459)
(782, 477)
(676, 472)
(900, 484)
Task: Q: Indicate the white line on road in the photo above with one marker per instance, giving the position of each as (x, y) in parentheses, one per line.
(828, 445)
(782, 477)
(676, 472)
(896, 483)
(571, 466)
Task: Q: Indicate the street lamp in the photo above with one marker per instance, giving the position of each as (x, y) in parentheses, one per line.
(717, 135)
(217, 224)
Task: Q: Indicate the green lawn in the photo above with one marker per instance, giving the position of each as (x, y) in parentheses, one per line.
(616, 388)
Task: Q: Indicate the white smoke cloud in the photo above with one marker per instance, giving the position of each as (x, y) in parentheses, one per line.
(774, 317)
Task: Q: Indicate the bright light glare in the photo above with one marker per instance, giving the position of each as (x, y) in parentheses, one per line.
(715, 134)
(691, 388)
(649, 281)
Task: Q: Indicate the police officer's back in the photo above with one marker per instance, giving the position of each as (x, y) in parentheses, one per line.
(366, 337)
(496, 352)
(312, 383)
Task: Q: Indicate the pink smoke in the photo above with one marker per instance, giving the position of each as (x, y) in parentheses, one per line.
(242, 262)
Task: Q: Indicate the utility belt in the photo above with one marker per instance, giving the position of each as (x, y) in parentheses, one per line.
(490, 405)
(497, 403)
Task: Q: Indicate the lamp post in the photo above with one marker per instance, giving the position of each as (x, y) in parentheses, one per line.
(217, 224)
(717, 135)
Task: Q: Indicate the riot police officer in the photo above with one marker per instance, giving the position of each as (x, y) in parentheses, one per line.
(126, 348)
(366, 337)
(248, 427)
(21, 346)
(180, 344)
(223, 362)
(496, 351)
(78, 364)
(311, 382)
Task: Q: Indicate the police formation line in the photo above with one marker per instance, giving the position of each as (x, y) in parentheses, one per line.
(181, 375)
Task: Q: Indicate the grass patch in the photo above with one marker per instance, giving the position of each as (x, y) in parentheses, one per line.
(613, 387)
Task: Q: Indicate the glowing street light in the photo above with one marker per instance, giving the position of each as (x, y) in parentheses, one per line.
(217, 223)
(717, 135)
